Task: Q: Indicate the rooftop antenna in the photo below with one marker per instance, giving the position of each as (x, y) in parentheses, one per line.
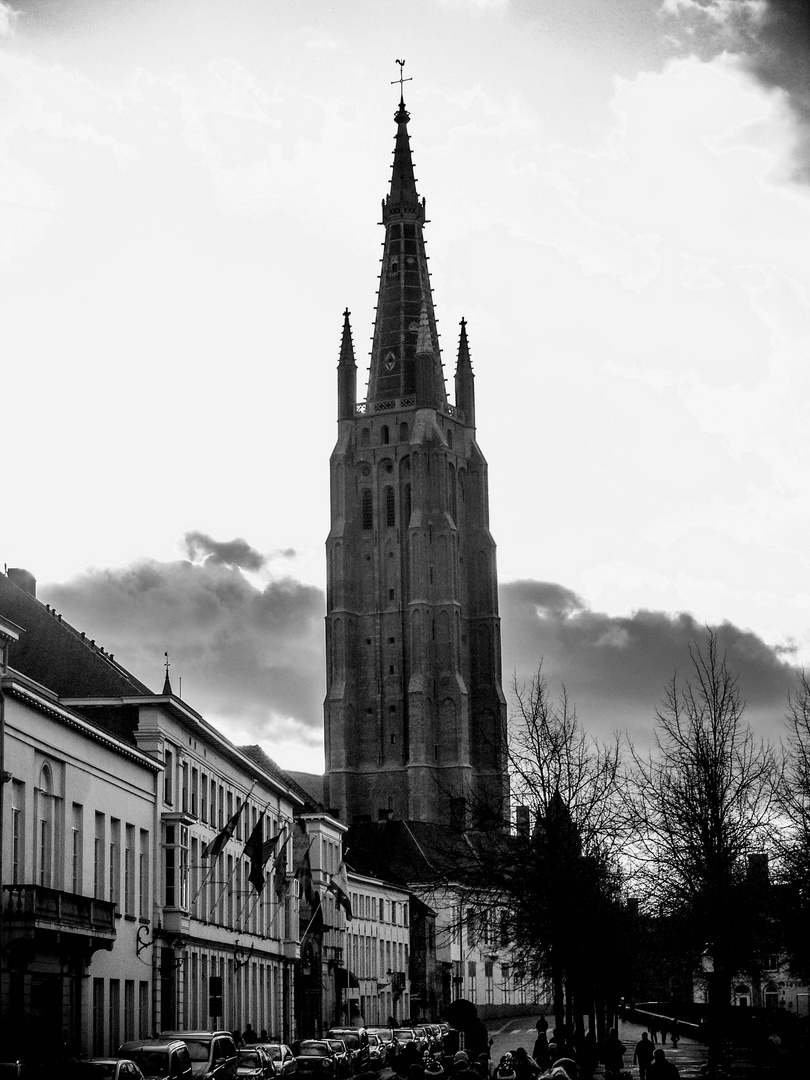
(401, 78)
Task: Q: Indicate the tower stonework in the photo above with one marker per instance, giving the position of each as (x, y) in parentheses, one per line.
(414, 710)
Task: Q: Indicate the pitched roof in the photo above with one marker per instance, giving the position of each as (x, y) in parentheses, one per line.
(407, 852)
(55, 654)
(262, 759)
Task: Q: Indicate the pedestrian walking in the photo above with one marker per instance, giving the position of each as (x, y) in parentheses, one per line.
(652, 1027)
(613, 1054)
(661, 1069)
(643, 1055)
(540, 1052)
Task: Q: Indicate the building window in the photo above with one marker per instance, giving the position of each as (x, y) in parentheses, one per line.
(143, 1009)
(175, 880)
(129, 871)
(367, 513)
(115, 1012)
(45, 800)
(129, 1010)
(184, 787)
(98, 858)
(76, 849)
(195, 783)
(204, 798)
(168, 777)
(115, 861)
(385, 436)
(390, 514)
(17, 846)
(143, 876)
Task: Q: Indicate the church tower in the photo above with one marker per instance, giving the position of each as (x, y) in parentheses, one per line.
(414, 710)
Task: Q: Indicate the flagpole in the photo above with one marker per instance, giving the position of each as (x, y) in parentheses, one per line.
(221, 892)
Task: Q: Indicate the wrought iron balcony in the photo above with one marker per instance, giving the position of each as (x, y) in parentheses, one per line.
(32, 908)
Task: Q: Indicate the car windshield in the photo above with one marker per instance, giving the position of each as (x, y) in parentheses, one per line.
(352, 1041)
(317, 1049)
(248, 1059)
(94, 1070)
(151, 1063)
(374, 1040)
(337, 1046)
(274, 1052)
(404, 1034)
(197, 1048)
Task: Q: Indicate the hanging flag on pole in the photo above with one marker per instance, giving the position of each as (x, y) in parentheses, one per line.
(259, 850)
(280, 868)
(304, 875)
(214, 848)
(339, 886)
(316, 924)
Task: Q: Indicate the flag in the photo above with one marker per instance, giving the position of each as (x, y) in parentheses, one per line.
(215, 846)
(339, 885)
(316, 923)
(259, 850)
(280, 868)
(304, 875)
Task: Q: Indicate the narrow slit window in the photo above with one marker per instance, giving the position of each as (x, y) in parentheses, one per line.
(368, 513)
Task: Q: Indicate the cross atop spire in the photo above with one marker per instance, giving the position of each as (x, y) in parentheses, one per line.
(401, 80)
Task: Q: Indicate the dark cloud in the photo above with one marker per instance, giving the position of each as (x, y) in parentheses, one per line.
(615, 668)
(237, 552)
(772, 37)
(245, 655)
(254, 657)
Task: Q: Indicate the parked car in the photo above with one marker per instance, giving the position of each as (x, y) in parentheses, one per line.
(282, 1057)
(212, 1053)
(343, 1056)
(405, 1035)
(101, 1068)
(315, 1059)
(254, 1063)
(386, 1034)
(159, 1059)
(356, 1040)
(377, 1051)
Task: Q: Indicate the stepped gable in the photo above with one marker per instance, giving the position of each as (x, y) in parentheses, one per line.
(56, 655)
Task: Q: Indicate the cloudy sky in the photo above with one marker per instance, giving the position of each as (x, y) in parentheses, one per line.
(619, 197)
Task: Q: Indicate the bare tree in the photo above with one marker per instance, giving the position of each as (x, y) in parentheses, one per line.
(571, 914)
(552, 884)
(704, 802)
(794, 802)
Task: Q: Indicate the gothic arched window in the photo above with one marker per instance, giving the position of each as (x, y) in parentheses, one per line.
(367, 510)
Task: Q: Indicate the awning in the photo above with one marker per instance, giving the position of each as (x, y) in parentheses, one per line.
(345, 978)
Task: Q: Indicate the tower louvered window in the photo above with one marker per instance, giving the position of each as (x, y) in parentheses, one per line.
(368, 513)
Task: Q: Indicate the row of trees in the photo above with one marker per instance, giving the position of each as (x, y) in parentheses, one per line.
(676, 841)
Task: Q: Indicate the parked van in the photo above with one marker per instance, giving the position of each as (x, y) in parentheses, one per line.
(212, 1053)
(159, 1059)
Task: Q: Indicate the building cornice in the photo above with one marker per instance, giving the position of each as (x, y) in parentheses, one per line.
(17, 686)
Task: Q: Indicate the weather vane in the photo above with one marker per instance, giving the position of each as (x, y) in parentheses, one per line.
(401, 78)
(166, 664)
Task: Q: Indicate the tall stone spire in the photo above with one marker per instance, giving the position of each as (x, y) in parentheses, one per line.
(414, 713)
(347, 372)
(404, 285)
(465, 386)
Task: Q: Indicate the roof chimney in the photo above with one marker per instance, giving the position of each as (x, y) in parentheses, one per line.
(23, 579)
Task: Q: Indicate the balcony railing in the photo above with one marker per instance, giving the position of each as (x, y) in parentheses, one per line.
(34, 907)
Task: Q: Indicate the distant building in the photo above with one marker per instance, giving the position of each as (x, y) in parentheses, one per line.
(414, 709)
